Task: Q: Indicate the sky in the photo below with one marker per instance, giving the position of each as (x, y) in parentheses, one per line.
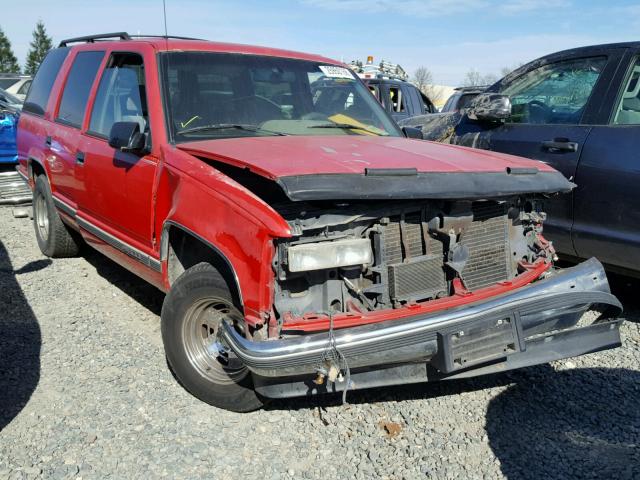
(449, 38)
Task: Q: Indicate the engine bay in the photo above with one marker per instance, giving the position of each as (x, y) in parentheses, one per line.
(359, 257)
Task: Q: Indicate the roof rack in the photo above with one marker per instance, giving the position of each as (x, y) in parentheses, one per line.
(118, 35)
(166, 36)
(93, 38)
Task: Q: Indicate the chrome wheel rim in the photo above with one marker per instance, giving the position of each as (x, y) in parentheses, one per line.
(200, 341)
(41, 217)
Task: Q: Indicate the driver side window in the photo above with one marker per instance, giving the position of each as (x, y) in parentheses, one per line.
(556, 93)
(121, 95)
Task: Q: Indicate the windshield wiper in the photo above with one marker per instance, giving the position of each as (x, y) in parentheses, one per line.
(229, 126)
(347, 126)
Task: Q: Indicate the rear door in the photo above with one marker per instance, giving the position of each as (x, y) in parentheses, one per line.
(607, 201)
(553, 106)
(68, 118)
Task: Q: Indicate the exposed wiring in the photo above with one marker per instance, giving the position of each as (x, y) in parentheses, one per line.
(333, 364)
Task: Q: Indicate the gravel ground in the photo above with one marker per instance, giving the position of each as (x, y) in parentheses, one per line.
(85, 393)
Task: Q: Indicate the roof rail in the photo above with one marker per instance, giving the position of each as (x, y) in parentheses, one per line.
(166, 36)
(93, 38)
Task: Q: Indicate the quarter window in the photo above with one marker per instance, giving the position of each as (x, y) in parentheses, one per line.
(36, 101)
(556, 93)
(121, 95)
(76, 91)
(628, 111)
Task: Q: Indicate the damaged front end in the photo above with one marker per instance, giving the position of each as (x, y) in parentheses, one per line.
(399, 292)
(351, 260)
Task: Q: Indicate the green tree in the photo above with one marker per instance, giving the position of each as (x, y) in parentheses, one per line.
(40, 45)
(8, 61)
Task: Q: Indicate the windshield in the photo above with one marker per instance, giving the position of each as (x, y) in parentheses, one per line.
(7, 82)
(219, 95)
(8, 99)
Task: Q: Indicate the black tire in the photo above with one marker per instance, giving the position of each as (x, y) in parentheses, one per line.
(55, 239)
(196, 303)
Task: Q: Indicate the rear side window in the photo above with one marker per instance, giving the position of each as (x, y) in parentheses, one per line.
(36, 101)
(76, 91)
(397, 100)
(628, 111)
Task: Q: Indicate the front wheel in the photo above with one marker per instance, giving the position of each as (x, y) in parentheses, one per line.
(192, 313)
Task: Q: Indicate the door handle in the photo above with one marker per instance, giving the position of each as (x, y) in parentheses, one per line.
(80, 158)
(560, 145)
(47, 141)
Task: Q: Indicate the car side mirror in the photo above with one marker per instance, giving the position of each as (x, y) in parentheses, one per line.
(126, 137)
(490, 107)
(412, 132)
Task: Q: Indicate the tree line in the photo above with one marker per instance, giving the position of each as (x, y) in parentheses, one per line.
(423, 78)
(38, 48)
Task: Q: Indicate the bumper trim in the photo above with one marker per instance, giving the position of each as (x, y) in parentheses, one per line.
(540, 349)
(564, 295)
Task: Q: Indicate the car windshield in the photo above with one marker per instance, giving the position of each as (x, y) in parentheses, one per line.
(7, 82)
(219, 95)
(9, 100)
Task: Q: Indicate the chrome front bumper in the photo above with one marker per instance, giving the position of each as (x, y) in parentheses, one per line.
(497, 329)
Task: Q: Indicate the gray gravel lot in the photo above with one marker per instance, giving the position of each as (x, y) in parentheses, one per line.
(85, 393)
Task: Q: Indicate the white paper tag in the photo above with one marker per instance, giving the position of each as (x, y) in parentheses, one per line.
(336, 72)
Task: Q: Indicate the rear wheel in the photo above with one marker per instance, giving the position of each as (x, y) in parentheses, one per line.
(55, 239)
(192, 314)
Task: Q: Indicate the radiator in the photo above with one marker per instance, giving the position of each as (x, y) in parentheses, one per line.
(487, 239)
(415, 264)
(415, 268)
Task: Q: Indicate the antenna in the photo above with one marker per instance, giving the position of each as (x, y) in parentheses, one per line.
(164, 12)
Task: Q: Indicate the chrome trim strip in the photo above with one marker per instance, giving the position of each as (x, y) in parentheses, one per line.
(65, 207)
(125, 248)
(415, 338)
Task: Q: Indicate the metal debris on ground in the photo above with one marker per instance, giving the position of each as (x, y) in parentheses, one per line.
(13, 189)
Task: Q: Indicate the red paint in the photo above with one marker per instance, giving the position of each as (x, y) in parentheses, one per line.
(275, 157)
(132, 199)
(316, 323)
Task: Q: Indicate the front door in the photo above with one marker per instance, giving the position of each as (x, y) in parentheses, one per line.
(118, 186)
(549, 104)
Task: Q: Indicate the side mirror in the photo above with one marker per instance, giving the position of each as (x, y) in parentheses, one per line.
(412, 132)
(126, 136)
(490, 107)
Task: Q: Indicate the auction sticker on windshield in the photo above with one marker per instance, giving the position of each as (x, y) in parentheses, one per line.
(336, 72)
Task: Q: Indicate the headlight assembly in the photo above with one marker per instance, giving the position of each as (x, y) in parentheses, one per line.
(341, 253)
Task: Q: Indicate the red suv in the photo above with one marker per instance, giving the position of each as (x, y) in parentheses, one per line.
(305, 244)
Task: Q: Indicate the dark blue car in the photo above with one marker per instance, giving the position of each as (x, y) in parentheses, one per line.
(579, 111)
(10, 108)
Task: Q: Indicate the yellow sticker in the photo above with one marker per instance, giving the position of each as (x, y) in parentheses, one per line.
(184, 125)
